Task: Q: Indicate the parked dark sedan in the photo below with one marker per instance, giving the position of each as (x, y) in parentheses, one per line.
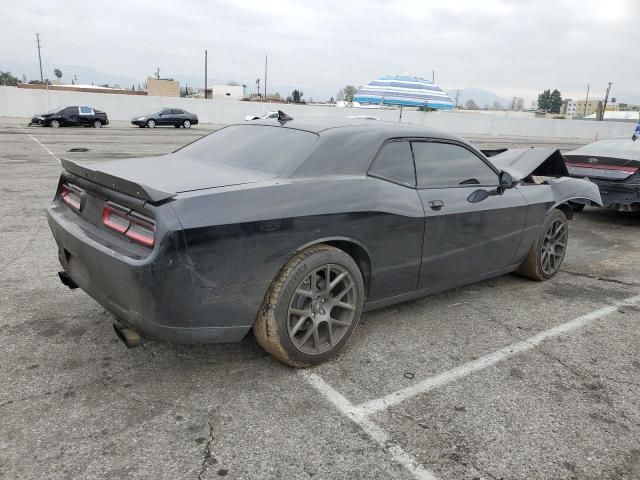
(71, 117)
(295, 229)
(612, 164)
(175, 117)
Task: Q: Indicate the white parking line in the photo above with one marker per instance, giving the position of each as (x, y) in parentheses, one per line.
(360, 413)
(376, 433)
(399, 396)
(39, 143)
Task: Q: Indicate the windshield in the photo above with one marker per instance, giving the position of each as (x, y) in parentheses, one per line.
(56, 110)
(624, 148)
(153, 112)
(255, 147)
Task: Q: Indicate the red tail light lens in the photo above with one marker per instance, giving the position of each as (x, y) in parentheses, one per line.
(137, 227)
(622, 168)
(71, 195)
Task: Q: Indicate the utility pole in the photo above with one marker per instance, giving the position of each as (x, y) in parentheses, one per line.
(606, 97)
(258, 86)
(205, 74)
(584, 113)
(433, 76)
(265, 77)
(39, 56)
(158, 73)
(457, 96)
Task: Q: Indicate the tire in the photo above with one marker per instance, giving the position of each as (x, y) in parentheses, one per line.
(54, 123)
(151, 123)
(186, 124)
(304, 329)
(553, 237)
(97, 124)
(177, 126)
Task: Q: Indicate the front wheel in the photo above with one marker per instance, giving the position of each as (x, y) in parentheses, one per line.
(151, 123)
(311, 308)
(186, 124)
(549, 248)
(54, 123)
(97, 124)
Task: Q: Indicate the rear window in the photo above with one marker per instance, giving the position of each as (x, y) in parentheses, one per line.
(255, 147)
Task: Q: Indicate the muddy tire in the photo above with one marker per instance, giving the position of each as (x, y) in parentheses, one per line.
(549, 248)
(311, 308)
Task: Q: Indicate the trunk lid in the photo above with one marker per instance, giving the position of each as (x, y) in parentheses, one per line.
(156, 179)
(605, 168)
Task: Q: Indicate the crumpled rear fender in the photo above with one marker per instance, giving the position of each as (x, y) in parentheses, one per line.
(565, 189)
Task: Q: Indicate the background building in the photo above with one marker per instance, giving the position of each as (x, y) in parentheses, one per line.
(163, 87)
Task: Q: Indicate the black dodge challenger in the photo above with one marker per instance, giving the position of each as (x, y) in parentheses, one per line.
(294, 229)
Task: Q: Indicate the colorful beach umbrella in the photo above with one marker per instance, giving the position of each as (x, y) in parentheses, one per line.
(404, 91)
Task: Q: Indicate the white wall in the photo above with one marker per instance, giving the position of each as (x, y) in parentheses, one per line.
(18, 102)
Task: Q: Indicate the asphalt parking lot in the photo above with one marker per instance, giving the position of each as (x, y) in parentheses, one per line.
(504, 379)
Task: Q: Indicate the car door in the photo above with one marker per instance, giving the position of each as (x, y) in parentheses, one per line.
(85, 116)
(165, 117)
(466, 236)
(70, 116)
(178, 116)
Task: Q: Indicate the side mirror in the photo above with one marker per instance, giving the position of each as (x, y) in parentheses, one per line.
(506, 181)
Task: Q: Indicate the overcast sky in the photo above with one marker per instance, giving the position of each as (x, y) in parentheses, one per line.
(514, 47)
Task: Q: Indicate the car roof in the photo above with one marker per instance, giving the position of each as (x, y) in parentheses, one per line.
(350, 126)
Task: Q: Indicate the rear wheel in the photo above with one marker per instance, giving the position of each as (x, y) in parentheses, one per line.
(186, 124)
(548, 250)
(151, 123)
(311, 308)
(97, 124)
(54, 123)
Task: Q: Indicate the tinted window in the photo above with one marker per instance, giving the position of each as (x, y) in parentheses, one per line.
(175, 111)
(256, 147)
(394, 162)
(69, 111)
(444, 164)
(624, 148)
(166, 111)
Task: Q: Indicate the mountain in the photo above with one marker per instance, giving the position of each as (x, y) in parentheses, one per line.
(480, 97)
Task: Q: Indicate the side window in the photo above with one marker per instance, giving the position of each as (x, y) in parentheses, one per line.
(86, 111)
(444, 164)
(176, 111)
(166, 111)
(394, 162)
(70, 111)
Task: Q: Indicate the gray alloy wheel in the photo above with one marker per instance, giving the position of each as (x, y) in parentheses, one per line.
(186, 124)
(151, 123)
(554, 246)
(54, 123)
(97, 124)
(549, 248)
(312, 307)
(322, 309)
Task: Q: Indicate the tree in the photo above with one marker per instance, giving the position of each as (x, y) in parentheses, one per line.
(555, 102)
(233, 83)
(470, 105)
(296, 96)
(544, 100)
(8, 80)
(340, 95)
(332, 100)
(519, 104)
(58, 73)
(349, 92)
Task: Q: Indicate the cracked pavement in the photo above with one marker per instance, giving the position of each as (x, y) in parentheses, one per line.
(75, 403)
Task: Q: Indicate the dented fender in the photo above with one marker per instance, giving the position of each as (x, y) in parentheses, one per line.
(565, 189)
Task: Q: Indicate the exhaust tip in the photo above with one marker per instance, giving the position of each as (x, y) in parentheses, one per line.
(129, 337)
(67, 280)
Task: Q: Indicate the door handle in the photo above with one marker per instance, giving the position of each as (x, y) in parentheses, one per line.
(436, 204)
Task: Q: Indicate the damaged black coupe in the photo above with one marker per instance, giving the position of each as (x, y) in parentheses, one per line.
(294, 229)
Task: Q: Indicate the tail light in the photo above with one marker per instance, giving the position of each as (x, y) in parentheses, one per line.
(131, 224)
(71, 195)
(623, 168)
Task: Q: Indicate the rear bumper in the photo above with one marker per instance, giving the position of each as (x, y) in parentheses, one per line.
(154, 296)
(619, 194)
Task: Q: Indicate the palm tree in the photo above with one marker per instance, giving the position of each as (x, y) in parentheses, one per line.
(58, 73)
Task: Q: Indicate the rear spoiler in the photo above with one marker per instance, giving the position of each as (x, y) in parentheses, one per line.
(137, 190)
